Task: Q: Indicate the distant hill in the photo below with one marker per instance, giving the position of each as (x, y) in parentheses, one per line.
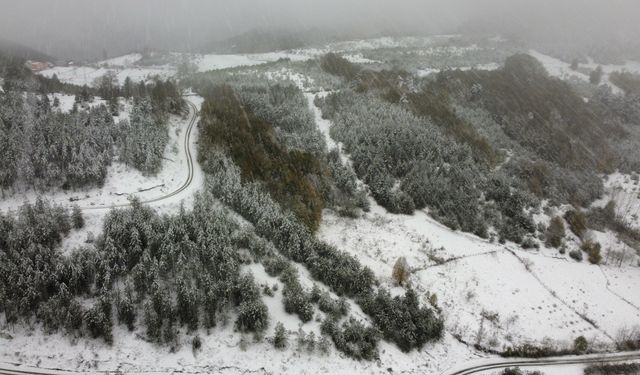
(256, 41)
(261, 40)
(9, 48)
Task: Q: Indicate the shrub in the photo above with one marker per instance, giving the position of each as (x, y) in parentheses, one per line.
(297, 301)
(555, 232)
(402, 320)
(532, 351)
(353, 338)
(76, 217)
(580, 345)
(529, 243)
(324, 345)
(401, 271)
(613, 369)
(98, 320)
(253, 316)
(126, 312)
(593, 250)
(577, 222)
(196, 343)
(576, 254)
(628, 338)
(596, 75)
(335, 308)
(275, 265)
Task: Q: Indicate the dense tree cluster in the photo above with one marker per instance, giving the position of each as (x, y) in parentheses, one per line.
(269, 133)
(46, 148)
(402, 320)
(549, 141)
(405, 161)
(143, 138)
(35, 279)
(341, 272)
(628, 82)
(253, 145)
(170, 271)
(353, 338)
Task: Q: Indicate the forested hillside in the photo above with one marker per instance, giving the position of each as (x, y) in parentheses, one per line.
(521, 136)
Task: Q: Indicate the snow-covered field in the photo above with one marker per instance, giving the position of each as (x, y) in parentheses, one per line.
(624, 189)
(561, 69)
(428, 71)
(125, 60)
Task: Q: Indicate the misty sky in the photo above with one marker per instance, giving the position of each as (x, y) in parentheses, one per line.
(83, 28)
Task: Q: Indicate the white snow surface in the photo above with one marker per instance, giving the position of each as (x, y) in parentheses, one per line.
(125, 60)
(562, 70)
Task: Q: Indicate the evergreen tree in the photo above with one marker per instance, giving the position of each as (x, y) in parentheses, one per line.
(596, 75)
(76, 217)
(280, 337)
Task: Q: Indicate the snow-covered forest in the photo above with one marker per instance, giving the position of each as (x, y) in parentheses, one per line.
(321, 202)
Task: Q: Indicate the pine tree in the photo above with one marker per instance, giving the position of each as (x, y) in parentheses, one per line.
(76, 217)
(574, 64)
(596, 76)
(280, 337)
(127, 88)
(555, 232)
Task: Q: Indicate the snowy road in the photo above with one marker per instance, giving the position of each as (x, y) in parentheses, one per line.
(190, 173)
(544, 362)
(476, 367)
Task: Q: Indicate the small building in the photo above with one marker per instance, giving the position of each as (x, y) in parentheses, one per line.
(37, 66)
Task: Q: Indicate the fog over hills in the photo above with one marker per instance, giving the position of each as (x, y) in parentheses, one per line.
(87, 29)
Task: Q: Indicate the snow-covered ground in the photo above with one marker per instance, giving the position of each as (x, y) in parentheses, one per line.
(624, 189)
(125, 60)
(562, 70)
(66, 101)
(428, 71)
(221, 354)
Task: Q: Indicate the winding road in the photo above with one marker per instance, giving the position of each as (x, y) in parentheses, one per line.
(544, 362)
(495, 364)
(190, 163)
